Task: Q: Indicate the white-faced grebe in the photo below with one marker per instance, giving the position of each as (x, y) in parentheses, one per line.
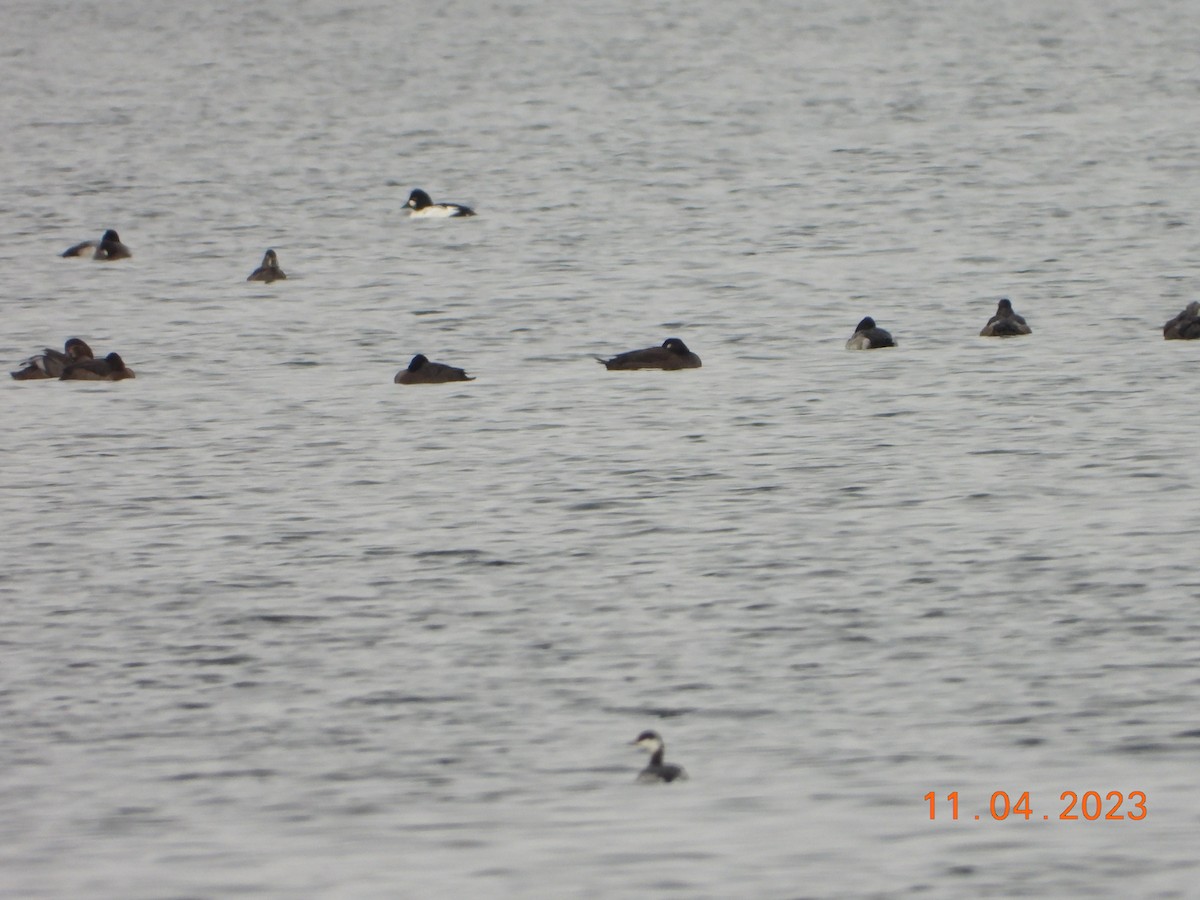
(656, 770)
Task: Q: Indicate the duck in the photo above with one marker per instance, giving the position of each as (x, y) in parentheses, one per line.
(869, 336)
(1185, 326)
(656, 771)
(421, 206)
(1005, 323)
(109, 247)
(269, 270)
(50, 363)
(111, 368)
(673, 354)
(422, 371)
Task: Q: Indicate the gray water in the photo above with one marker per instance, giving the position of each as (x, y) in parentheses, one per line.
(275, 627)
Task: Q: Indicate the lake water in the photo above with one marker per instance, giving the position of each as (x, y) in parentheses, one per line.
(272, 626)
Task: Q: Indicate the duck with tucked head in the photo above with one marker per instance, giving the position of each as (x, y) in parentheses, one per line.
(109, 247)
(656, 770)
(269, 270)
(422, 371)
(869, 336)
(1005, 323)
(1185, 326)
(50, 363)
(111, 368)
(673, 354)
(421, 206)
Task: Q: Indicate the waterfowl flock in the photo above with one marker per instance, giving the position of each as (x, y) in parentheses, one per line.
(76, 361)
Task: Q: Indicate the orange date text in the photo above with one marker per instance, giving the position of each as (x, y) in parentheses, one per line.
(1114, 806)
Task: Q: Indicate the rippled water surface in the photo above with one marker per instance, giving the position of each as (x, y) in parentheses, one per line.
(273, 626)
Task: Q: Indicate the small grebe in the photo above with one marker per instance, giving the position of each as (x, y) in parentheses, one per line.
(657, 770)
